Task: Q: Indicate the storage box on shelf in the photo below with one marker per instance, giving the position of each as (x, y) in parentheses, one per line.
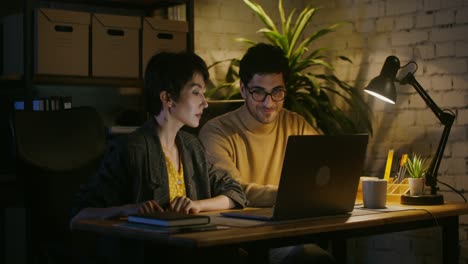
(162, 35)
(62, 39)
(61, 43)
(115, 46)
(63, 46)
(91, 43)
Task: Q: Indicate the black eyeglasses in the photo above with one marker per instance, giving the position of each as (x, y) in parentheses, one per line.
(259, 95)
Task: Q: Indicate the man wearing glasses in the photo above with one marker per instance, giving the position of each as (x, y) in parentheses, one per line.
(250, 141)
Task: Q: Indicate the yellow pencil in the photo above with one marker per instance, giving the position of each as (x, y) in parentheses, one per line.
(401, 171)
(388, 167)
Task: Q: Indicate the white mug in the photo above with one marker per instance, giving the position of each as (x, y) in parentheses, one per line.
(374, 193)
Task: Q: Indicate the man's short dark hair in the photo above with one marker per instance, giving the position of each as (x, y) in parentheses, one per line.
(168, 71)
(263, 58)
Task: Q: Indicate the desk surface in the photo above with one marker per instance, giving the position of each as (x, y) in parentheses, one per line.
(239, 232)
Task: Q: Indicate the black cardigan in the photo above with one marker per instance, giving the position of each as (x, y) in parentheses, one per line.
(134, 171)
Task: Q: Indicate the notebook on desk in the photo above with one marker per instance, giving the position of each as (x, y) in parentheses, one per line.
(320, 176)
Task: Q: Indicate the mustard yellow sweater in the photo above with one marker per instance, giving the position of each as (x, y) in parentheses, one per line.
(252, 151)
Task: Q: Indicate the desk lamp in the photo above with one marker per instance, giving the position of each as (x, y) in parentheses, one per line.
(383, 87)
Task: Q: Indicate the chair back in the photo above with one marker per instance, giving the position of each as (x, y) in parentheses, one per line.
(56, 152)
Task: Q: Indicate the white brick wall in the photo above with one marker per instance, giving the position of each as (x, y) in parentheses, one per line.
(460, 49)
(404, 22)
(433, 33)
(449, 33)
(445, 17)
(424, 20)
(402, 247)
(400, 38)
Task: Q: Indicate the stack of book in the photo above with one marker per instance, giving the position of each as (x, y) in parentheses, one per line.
(169, 219)
(52, 103)
(171, 222)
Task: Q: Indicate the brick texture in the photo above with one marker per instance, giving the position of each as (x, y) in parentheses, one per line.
(434, 34)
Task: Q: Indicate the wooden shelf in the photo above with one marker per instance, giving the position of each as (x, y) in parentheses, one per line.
(74, 80)
(12, 7)
(100, 81)
(22, 86)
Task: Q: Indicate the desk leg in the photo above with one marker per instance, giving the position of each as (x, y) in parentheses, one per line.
(258, 255)
(2, 235)
(180, 255)
(339, 250)
(450, 243)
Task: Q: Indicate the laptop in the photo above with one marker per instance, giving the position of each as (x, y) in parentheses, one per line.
(320, 176)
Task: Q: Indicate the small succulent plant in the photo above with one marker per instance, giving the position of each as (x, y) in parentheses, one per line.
(416, 166)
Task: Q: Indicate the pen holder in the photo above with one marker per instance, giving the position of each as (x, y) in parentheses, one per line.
(395, 190)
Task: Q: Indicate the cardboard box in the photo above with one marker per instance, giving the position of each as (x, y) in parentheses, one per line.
(162, 35)
(115, 46)
(61, 43)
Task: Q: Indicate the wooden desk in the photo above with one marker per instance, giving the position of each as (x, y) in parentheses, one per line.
(260, 237)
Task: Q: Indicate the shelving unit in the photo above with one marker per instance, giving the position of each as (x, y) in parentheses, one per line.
(22, 87)
(27, 85)
(29, 78)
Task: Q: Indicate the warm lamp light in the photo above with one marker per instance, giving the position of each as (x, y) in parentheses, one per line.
(383, 87)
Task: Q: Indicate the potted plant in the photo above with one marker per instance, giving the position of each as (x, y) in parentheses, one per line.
(313, 89)
(416, 168)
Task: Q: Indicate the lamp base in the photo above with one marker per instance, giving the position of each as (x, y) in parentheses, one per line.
(429, 199)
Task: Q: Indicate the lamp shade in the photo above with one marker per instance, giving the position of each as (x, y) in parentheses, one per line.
(383, 86)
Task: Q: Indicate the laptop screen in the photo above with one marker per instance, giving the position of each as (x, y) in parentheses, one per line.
(320, 175)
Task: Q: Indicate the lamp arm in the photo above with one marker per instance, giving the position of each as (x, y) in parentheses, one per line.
(410, 79)
(446, 118)
(431, 175)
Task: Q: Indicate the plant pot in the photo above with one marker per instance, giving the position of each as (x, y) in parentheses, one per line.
(416, 186)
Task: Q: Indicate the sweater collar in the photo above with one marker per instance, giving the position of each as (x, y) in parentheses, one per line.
(252, 124)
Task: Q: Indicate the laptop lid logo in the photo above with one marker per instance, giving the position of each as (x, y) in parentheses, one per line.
(322, 177)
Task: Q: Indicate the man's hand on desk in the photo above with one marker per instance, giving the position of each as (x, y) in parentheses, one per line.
(260, 195)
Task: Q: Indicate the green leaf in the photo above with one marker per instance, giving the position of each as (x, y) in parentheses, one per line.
(318, 34)
(298, 29)
(345, 59)
(261, 14)
(326, 102)
(281, 12)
